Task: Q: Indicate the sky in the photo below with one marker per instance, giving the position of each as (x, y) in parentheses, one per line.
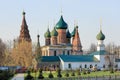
(43, 13)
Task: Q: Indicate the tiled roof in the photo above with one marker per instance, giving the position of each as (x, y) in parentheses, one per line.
(78, 58)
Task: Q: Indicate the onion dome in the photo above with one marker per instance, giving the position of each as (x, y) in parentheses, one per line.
(73, 32)
(68, 35)
(61, 24)
(47, 34)
(54, 32)
(100, 36)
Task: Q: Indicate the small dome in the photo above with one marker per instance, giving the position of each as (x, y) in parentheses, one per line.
(61, 24)
(68, 35)
(100, 36)
(54, 32)
(47, 34)
(73, 32)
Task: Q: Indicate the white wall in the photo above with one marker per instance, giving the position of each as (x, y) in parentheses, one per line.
(76, 65)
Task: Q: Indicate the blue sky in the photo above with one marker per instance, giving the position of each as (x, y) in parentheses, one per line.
(39, 13)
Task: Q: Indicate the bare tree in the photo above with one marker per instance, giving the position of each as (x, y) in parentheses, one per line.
(92, 48)
(2, 52)
(22, 54)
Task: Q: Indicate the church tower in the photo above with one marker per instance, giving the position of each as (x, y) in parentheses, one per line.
(38, 49)
(68, 36)
(24, 32)
(100, 41)
(47, 37)
(76, 45)
(54, 35)
(73, 34)
(61, 27)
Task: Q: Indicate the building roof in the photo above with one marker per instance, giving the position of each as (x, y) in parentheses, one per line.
(101, 52)
(100, 36)
(78, 58)
(54, 32)
(47, 34)
(50, 59)
(68, 35)
(61, 24)
(73, 32)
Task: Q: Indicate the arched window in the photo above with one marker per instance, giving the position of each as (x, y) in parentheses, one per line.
(85, 66)
(91, 66)
(68, 53)
(54, 53)
(69, 65)
(63, 52)
(80, 66)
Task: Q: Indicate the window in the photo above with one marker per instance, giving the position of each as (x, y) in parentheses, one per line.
(85, 66)
(54, 53)
(91, 66)
(68, 53)
(69, 65)
(63, 52)
(80, 66)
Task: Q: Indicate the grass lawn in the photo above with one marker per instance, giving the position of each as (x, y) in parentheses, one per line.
(92, 74)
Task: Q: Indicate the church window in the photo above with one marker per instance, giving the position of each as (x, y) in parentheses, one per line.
(91, 66)
(69, 65)
(80, 66)
(85, 66)
(54, 53)
(68, 53)
(63, 52)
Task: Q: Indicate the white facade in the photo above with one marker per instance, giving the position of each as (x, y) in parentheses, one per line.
(100, 45)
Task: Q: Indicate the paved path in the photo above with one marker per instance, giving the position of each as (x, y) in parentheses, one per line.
(19, 76)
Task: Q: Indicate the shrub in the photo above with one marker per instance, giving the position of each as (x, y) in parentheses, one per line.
(28, 77)
(59, 72)
(88, 71)
(78, 72)
(111, 70)
(84, 71)
(50, 75)
(5, 75)
(40, 74)
(73, 73)
(67, 73)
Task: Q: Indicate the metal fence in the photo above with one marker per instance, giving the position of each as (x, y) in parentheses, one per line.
(107, 77)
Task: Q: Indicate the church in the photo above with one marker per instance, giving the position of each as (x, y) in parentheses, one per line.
(64, 49)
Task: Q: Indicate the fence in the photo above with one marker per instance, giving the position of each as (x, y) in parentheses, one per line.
(104, 77)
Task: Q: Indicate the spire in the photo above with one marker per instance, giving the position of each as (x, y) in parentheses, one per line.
(38, 43)
(38, 50)
(77, 47)
(100, 35)
(24, 32)
(100, 24)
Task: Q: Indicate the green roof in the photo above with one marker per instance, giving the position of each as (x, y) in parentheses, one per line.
(78, 58)
(47, 34)
(50, 59)
(61, 24)
(101, 52)
(100, 36)
(68, 35)
(73, 32)
(54, 32)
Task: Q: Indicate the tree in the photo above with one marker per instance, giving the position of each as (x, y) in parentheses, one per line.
(2, 52)
(92, 48)
(22, 54)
